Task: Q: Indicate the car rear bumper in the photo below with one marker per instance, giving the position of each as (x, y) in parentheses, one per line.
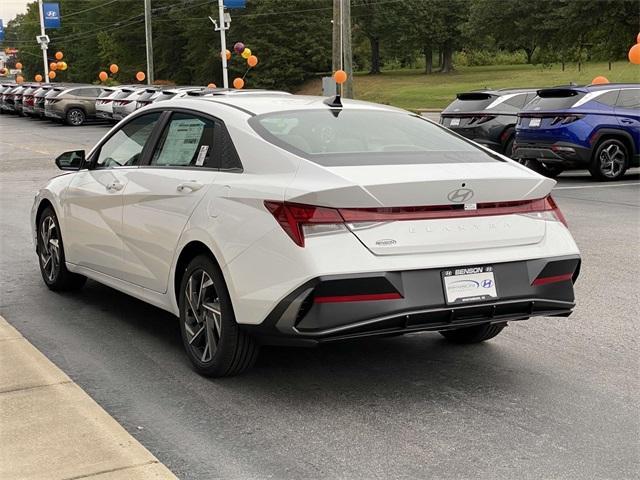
(50, 113)
(564, 153)
(104, 115)
(341, 307)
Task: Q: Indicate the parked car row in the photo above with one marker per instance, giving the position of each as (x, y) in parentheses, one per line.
(74, 104)
(550, 130)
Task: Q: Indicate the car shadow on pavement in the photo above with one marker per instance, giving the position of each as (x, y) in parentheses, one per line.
(424, 362)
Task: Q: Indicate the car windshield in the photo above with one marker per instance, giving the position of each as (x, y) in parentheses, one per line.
(365, 137)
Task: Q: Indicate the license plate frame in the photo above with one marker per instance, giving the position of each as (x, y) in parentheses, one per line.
(455, 122)
(465, 285)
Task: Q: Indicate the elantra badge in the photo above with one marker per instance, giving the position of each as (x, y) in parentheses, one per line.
(461, 195)
(387, 242)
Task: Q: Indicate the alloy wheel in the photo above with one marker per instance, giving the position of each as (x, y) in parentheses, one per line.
(203, 318)
(612, 160)
(49, 248)
(76, 117)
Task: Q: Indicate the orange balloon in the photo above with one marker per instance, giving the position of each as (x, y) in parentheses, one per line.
(59, 55)
(59, 66)
(19, 66)
(252, 61)
(599, 80)
(238, 83)
(113, 68)
(38, 78)
(211, 85)
(53, 66)
(19, 79)
(103, 76)
(340, 76)
(52, 75)
(227, 54)
(634, 54)
(140, 76)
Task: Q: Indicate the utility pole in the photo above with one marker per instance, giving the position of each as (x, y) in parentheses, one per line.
(43, 43)
(223, 43)
(346, 46)
(342, 58)
(149, 40)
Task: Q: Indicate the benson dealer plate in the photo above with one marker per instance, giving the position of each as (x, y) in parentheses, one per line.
(469, 284)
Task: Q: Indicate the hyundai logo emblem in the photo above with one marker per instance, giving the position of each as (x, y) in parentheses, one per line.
(460, 195)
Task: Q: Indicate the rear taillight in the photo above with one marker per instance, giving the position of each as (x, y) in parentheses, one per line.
(293, 218)
(299, 220)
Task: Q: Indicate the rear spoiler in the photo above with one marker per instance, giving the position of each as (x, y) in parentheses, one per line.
(557, 92)
(474, 96)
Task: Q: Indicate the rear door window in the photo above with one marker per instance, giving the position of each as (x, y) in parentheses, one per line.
(187, 141)
(629, 98)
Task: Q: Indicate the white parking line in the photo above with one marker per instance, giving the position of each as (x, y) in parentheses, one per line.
(598, 186)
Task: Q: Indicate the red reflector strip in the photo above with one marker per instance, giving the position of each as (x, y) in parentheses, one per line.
(555, 279)
(358, 298)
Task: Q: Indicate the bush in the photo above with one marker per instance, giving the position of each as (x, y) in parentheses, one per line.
(476, 58)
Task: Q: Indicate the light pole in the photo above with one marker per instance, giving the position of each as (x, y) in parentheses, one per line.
(43, 40)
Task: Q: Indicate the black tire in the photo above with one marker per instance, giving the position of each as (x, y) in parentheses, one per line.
(508, 148)
(75, 117)
(235, 351)
(51, 258)
(475, 334)
(610, 160)
(550, 171)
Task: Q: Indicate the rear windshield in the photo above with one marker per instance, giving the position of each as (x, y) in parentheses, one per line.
(105, 93)
(124, 93)
(470, 102)
(53, 93)
(364, 137)
(556, 99)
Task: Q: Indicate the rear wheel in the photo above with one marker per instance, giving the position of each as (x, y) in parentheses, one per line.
(508, 148)
(548, 170)
(610, 160)
(51, 255)
(75, 117)
(475, 334)
(214, 343)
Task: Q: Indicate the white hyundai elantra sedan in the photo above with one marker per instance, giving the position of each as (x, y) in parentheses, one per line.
(283, 219)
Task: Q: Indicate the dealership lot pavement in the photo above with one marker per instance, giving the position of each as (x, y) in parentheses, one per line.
(548, 398)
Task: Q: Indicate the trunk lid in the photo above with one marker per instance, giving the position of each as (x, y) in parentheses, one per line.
(448, 185)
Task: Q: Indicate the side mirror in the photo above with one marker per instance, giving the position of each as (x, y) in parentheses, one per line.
(70, 160)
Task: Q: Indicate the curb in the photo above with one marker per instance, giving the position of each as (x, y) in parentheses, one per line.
(51, 429)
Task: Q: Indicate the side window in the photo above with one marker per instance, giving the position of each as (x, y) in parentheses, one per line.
(629, 98)
(124, 148)
(187, 141)
(608, 98)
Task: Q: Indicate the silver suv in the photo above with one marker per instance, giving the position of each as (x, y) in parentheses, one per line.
(72, 105)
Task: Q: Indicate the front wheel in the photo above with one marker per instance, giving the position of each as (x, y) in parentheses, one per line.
(75, 117)
(475, 334)
(51, 255)
(214, 343)
(610, 160)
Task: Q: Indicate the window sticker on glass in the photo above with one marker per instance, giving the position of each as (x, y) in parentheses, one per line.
(181, 142)
(202, 154)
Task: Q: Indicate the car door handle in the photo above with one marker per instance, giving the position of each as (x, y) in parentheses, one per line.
(115, 187)
(627, 121)
(191, 185)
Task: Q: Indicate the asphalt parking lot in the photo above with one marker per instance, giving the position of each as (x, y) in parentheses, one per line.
(549, 398)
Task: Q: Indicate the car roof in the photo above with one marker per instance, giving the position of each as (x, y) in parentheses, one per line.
(269, 103)
(593, 87)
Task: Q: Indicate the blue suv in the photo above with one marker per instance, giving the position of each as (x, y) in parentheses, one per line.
(595, 127)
